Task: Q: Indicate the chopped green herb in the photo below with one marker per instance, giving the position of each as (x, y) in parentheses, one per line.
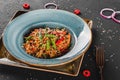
(44, 55)
(39, 35)
(28, 38)
(43, 45)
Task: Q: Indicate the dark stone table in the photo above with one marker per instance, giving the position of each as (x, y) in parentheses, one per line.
(106, 32)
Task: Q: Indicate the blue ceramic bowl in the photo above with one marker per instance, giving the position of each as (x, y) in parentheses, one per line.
(13, 37)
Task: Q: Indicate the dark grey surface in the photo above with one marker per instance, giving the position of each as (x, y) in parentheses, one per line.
(105, 32)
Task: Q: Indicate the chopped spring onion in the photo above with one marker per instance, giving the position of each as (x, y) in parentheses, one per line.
(50, 35)
(53, 44)
(40, 36)
(48, 45)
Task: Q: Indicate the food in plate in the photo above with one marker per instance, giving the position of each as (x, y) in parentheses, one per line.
(47, 42)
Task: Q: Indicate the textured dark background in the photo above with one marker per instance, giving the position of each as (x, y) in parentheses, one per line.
(105, 32)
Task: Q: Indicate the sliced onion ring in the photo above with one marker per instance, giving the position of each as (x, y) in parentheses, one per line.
(51, 4)
(106, 9)
(113, 16)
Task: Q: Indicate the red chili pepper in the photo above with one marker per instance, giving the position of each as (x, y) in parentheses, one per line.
(26, 6)
(59, 41)
(62, 38)
(32, 49)
(77, 11)
(86, 73)
(64, 32)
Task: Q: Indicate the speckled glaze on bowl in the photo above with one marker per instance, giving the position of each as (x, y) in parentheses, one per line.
(15, 31)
